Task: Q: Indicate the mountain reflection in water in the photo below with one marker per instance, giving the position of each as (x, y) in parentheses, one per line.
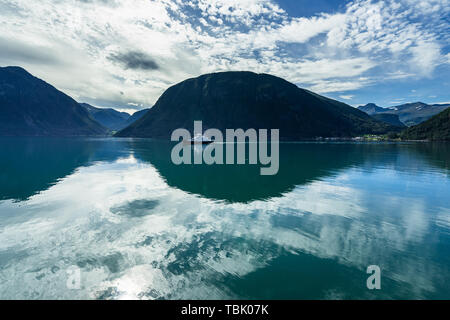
(141, 227)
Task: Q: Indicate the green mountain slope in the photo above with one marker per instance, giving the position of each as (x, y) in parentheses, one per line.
(436, 128)
(391, 119)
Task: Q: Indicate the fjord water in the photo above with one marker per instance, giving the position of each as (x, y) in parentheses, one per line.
(138, 227)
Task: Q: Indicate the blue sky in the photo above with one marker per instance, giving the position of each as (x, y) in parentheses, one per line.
(308, 8)
(124, 54)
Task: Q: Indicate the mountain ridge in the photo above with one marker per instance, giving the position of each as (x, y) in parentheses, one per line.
(435, 129)
(30, 106)
(108, 117)
(392, 119)
(111, 118)
(242, 99)
(371, 108)
(410, 114)
(136, 116)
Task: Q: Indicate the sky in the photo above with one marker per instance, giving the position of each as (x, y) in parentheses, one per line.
(126, 53)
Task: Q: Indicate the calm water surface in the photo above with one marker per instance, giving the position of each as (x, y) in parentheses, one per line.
(139, 227)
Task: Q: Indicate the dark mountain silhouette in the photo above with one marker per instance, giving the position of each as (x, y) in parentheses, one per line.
(436, 128)
(109, 118)
(371, 108)
(249, 100)
(389, 118)
(410, 113)
(136, 116)
(32, 107)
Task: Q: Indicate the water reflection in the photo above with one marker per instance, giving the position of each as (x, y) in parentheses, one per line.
(30, 165)
(299, 164)
(139, 227)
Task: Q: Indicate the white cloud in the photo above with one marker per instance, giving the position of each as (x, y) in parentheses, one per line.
(397, 101)
(425, 57)
(442, 102)
(346, 97)
(447, 58)
(324, 86)
(70, 44)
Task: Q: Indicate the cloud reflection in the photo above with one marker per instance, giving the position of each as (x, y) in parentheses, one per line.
(194, 247)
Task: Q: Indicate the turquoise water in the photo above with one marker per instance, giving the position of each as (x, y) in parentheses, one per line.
(138, 227)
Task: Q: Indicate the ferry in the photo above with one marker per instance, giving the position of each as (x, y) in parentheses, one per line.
(199, 139)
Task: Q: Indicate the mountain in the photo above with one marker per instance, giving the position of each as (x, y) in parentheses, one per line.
(414, 113)
(136, 116)
(32, 107)
(410, 113)
(436, 128)
(371, 108)
(249, 100)
(109, 118)
(389, 118)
